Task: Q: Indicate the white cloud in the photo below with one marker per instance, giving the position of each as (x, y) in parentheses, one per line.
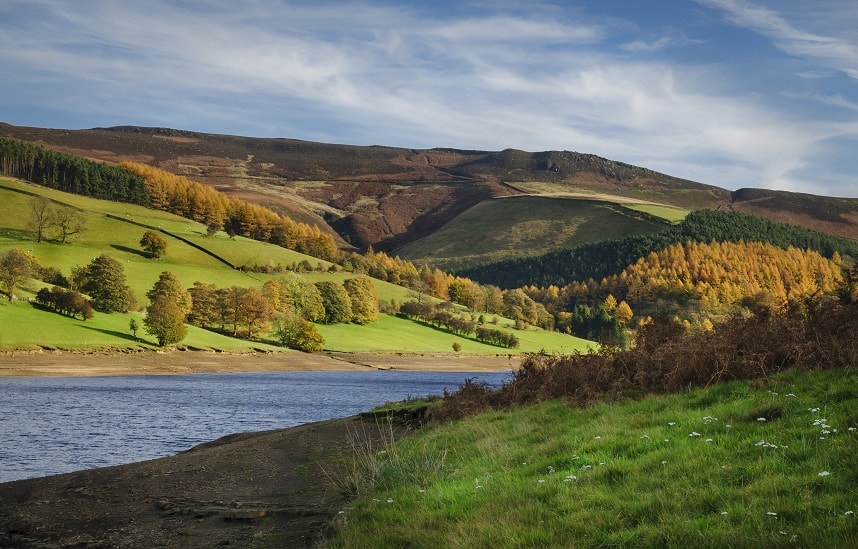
(837, 52)
(384, 74)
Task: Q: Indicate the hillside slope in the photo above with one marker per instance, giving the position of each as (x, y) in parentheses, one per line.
(389, 197)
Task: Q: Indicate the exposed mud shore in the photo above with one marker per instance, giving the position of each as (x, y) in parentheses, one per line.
(131, 362)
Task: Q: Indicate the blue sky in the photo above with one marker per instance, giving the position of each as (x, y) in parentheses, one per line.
(735, 93)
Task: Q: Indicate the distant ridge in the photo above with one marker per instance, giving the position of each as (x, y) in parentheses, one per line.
(387, 197)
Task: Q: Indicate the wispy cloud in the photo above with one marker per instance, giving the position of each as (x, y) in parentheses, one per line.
(834, 51)
(404, 74)
(671, 39)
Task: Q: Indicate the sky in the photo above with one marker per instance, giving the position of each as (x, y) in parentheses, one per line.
(733, 93)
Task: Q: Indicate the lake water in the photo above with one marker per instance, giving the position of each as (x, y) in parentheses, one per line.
(52, 425)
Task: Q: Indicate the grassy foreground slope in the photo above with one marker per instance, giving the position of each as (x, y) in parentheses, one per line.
(740, 464)
(115, 229)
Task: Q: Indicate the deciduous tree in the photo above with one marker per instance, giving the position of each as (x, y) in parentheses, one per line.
(104, 281)
(70, 222)
(154, 244)
(42, 216)
(338, 307)
(296, 333)
(364, 300)
(165, 320)
(16, 266)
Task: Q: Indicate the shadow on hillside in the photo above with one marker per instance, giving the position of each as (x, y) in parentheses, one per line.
(16, 234)
(114, 333)
(126, 249)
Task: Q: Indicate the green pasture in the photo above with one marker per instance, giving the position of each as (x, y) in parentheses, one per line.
(25, 326)
(734, 465)
(525, 225)
(391, 332)
(669, 213)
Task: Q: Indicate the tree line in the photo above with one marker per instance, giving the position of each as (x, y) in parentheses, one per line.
(70, 173)
(181, 196)
(603, 259)
(443, 316)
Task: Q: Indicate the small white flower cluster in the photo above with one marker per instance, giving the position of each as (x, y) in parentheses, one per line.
(765, 444)
(709, 419)
(825, 428)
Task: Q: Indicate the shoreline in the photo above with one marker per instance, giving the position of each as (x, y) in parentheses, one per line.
(260, 489)
(124, 362)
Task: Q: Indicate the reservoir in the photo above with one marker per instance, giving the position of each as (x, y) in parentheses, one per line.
(51, 425)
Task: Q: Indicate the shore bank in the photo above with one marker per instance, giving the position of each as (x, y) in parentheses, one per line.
(270, 489)
(174, 362)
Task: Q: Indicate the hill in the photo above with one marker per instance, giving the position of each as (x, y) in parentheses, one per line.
(115, 229)
(391, 198)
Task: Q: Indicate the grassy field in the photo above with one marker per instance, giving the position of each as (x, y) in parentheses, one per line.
(23, 326)
(419, 338)
(669, 213)
(527, 225)
(733, 465)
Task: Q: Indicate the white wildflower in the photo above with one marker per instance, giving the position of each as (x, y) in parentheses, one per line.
(389, 500)
(791, 395)
(671, 423)
(847, 513)
(570, 478)
(694, 434)
(813, 410)
(824, 474)
(541, 481)
(761, 419)
(771, 513)
(597, 437)
(708, 440)
(646, 437)
(723, 512)
(664, 462)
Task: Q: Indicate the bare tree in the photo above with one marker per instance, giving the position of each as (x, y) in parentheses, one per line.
(70, 222)
(42, 216)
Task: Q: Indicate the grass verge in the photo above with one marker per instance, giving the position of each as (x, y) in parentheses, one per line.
(741, 464)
